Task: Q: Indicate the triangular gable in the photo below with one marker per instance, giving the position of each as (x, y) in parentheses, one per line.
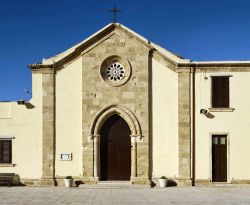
(62, 57)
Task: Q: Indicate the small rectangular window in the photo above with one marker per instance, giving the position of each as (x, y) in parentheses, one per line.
(220, 91)
(222, 140)
(5, 151)
(215, 140)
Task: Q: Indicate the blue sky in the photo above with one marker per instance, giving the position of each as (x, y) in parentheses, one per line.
(198, 30)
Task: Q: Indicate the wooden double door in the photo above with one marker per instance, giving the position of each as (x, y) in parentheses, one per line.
(219, 158)
(115, 149)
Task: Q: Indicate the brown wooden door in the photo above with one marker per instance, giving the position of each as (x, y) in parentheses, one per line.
(219, 158)
(115, 145)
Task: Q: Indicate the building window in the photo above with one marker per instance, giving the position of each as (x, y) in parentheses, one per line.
(5, 151)
(220, 91)
(115, 70)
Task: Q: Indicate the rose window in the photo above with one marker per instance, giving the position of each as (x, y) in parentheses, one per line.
(115, 72)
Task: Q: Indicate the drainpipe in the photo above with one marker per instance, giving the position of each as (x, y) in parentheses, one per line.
(193, 68)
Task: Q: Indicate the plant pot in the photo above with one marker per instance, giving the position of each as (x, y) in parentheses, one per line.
(163, 182)
(68, 182)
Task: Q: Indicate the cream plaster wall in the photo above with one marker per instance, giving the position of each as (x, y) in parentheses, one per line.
(69, 118)
(25, 125)
(165, 120)
(5, 110)
(236, 124)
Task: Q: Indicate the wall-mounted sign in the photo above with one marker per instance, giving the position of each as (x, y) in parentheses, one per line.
(66, 157)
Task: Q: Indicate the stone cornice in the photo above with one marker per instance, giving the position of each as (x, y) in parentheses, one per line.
(222, 64)
(39, 65)
(147, 45)
(77, 51)
(176, 67)
(166, 61)
(44, 70)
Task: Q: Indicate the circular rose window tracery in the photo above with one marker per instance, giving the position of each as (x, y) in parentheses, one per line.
(115, 70)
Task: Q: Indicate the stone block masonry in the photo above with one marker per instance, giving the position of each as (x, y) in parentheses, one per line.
(184, 124)
(134, 96)
(48, 129)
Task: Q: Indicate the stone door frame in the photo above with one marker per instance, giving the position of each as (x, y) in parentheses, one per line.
(135, 129)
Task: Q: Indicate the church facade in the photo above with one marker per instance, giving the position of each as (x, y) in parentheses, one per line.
(119, 107)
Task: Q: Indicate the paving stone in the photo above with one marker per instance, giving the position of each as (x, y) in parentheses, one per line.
(226, 195)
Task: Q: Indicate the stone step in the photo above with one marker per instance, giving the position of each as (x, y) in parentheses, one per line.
(111, 185)
(114, 183)
(221, 184)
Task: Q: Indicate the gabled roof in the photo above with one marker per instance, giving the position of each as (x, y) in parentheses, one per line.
(167, 55)
(104, 31)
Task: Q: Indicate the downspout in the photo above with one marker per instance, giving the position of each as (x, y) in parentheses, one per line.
(150, 114)
(193, 68)
(54, 115)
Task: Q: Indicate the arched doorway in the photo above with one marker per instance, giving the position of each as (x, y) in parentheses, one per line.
(115, 149)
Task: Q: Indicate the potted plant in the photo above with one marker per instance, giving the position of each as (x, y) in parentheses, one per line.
(163, 181)
(68, 181)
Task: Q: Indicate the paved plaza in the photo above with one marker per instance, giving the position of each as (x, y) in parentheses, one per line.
(122, 196)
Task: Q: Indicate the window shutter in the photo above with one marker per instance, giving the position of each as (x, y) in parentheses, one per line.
(1, 155)
(225, 96)
(5, 151)
(215, 92)
(220, 92)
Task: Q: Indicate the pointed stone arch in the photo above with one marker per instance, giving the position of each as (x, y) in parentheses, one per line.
(120, 110)
(96, 126)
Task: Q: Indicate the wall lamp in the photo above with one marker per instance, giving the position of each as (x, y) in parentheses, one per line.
(21, 102)
(203, 111)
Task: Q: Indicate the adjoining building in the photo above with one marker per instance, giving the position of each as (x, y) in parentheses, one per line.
(119, 107)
